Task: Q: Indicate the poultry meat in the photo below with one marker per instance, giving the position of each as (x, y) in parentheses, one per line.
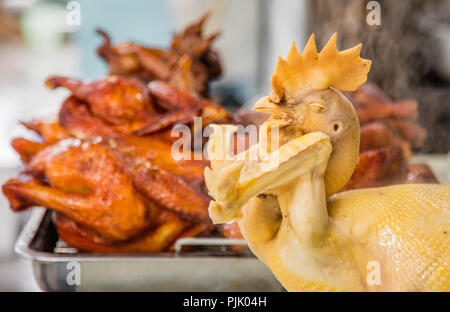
(288, 205)
(105, 164)
(190, 56)
(115, 188)
(388, 132)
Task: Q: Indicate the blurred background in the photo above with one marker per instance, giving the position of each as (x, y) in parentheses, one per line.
(410, 50)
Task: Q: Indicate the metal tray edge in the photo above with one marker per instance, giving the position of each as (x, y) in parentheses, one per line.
(31, 227)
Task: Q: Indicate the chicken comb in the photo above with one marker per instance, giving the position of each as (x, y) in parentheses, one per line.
(343, 70)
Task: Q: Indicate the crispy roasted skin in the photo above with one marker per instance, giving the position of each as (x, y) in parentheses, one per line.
(160, 238)
(174, 193)
(113, 99)
(26, 148)
(168, 226)
(130, 59)
(388, 131)
(117, 106)
(50, 131)
(410, 131)
(420, 173)
(375, 135)
(378, 167)
(175, 185)
(182, 106)
(87, 184)
(105, 163)
(122, 104)
(101, 183)
(190, 59)
(144, 162)
(372, 103)
(76, 119)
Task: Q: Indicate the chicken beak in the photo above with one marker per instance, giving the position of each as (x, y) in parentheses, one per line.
(265, 105)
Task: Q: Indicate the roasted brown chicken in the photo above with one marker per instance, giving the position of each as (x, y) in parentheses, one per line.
(115, 187)
(190, 61)
(388, 131)
(105, 165)
(124, 106)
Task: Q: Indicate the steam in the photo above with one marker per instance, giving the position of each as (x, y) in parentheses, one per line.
(401, 50)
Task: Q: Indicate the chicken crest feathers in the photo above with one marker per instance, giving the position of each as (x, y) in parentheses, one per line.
(343, 70)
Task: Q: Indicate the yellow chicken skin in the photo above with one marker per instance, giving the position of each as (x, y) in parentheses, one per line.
(392, 238)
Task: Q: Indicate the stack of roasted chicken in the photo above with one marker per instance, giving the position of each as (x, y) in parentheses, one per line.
(105, 167)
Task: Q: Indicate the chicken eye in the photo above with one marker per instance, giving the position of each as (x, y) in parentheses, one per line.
(337, 126)
(317, 107)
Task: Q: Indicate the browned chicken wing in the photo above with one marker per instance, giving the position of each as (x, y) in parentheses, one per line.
(50, 131)
(26, 148)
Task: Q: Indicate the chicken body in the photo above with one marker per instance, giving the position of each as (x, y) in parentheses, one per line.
(87, 184)
(112, 185)
(403, 227)
(377, 239)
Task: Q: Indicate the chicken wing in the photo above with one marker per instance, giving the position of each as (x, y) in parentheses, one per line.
(173, 193)
(50, 131)
(26, 148)
(174, 185)
(182, 107)
(76, 119)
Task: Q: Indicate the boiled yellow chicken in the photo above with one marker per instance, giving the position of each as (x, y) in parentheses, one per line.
(285, 198)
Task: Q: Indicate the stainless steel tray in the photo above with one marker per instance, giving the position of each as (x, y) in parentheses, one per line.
(60, 268)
